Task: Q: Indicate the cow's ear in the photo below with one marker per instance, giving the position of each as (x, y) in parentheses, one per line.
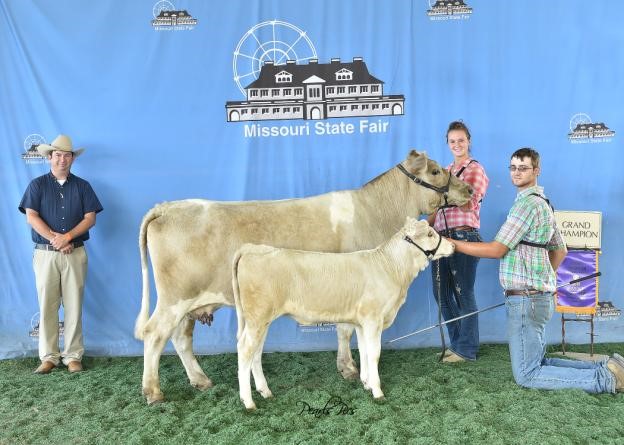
(416, 161)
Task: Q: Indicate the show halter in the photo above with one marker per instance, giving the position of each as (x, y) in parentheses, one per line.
(428, 253)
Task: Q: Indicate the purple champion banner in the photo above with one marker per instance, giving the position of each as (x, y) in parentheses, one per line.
(581, 297)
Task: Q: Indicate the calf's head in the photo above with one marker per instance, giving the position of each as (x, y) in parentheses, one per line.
(431, 173)
(426, 239)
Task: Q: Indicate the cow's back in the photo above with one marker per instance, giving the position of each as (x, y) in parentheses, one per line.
(192, 242)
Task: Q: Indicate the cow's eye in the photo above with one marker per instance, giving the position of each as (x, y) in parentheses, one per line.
(435, 172)
(430, 234)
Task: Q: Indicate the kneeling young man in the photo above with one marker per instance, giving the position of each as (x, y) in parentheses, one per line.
(531, 249)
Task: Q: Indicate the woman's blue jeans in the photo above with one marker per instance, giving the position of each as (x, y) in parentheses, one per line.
(526, 325)
(453, 287)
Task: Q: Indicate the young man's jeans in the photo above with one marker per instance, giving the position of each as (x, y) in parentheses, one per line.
(453, 281)
(526, 323)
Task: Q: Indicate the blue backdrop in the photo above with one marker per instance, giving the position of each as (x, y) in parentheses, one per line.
(148, 92)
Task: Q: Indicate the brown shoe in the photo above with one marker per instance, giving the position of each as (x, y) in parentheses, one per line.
(453, 358)
(447, 352)
(45, 367)
(74, 366)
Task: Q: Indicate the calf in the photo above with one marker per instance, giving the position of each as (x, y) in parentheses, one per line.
(364, 289)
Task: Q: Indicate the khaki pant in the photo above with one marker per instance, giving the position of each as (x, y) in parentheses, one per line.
(60, 277)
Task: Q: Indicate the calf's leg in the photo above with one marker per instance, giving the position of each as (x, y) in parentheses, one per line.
(372, 333)
(247, 346)
(361, 340)
(256, 368)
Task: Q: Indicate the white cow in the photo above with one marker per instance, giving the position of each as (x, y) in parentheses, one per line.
(192, 243)
(364, 289)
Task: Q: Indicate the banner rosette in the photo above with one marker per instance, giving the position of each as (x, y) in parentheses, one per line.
(579, 298)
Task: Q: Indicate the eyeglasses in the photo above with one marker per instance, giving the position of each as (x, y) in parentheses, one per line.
(521, 169)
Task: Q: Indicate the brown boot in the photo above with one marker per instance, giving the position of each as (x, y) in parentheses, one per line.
(74, 366)
(45, 367)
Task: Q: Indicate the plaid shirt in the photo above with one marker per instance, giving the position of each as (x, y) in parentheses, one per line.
(473, 174)
(529, 219)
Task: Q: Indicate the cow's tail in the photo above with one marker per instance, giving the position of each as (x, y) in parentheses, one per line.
(143, 316)
(236, 290)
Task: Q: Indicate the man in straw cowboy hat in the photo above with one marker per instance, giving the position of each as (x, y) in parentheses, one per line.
(61, 208)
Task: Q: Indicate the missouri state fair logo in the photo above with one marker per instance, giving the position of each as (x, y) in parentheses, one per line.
(34, 326)
(30, 154)
(583, 130)
(277, 70)
(448, 10)
(166, 17)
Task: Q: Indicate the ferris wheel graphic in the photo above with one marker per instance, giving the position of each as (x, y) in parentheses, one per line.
(162, 5)
(273, 40)
(33, 140)
(579, 118)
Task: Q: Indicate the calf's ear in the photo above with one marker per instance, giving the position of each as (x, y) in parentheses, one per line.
(422, 227)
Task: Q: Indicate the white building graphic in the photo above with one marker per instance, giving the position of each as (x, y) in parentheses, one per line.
(449, 7)
(30, 154)
(314, 91)
(174, 18)
(590, 131)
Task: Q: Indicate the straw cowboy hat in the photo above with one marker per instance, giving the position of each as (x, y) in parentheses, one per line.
(61, 143)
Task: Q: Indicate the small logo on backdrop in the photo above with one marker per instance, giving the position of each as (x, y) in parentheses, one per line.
(583, 130)
(317, 327)
(448, 10)
(268, 60)
(335, 405)
(30, 154)
(605, 311)
(168, 18)
(34, 326)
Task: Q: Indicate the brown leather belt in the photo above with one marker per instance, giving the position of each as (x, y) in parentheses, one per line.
(512, 292)
(464, 228)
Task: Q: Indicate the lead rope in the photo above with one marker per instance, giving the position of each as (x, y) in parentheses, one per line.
(439, 284)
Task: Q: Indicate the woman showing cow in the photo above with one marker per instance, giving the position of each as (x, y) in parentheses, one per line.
(454, 276)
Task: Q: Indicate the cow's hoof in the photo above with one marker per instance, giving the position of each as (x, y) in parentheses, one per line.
(203, 384)
(349, 373)
(266, 393)
(250, 407)
(155, 399)
(379, 396)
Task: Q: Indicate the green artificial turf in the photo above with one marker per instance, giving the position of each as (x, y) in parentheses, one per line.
(426, 402)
